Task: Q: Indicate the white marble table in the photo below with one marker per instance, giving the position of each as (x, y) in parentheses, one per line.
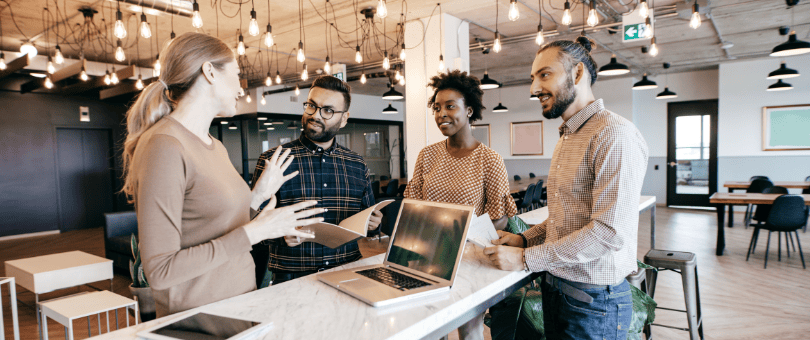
(309, 309)
(537, 216)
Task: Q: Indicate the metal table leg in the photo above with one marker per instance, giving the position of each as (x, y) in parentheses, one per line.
(39, 317)
(721, 232)
(652, 227)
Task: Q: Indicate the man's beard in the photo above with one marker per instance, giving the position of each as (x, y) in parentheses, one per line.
(321, 137)
(562, 100)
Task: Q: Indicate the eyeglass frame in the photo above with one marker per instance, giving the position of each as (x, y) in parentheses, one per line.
(321, 109)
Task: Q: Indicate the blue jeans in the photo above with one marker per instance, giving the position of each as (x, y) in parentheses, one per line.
(566, 316)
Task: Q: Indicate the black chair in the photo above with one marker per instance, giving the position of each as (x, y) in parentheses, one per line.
(807, 179)
(391, 189)
(390, 213)
(757, 186)
(753, 178)
(517, 178)
(383, 177)
(118, 230)
(538, 191)
(401, 190)
(788, 214)
(531, 175)
(762, 211)
(528, 196)
(806, 191)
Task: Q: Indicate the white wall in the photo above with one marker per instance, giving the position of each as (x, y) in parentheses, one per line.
(650, 114)
(742, 90)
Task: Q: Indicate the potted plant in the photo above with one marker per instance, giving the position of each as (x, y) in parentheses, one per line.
(140, 287)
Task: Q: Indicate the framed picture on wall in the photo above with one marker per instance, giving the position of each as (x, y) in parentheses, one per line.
(527, 138)
(786, 127)
(481, 133)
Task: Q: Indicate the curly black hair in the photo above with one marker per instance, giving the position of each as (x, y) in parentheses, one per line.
(468, 85)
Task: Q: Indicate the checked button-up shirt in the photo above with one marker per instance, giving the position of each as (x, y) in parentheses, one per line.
(338, 179)
(594, 186)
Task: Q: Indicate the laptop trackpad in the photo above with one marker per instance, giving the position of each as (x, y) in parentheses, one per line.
(358, 284)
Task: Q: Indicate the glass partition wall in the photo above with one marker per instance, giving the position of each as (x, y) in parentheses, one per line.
(246, 137)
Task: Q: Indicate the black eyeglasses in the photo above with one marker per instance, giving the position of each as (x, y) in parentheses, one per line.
(326, 112)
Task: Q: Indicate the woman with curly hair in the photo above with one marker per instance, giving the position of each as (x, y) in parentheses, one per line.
(460, 169)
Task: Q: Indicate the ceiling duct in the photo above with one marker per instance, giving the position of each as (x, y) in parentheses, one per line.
(177, 7)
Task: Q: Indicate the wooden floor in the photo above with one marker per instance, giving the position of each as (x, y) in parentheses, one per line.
(740, 299)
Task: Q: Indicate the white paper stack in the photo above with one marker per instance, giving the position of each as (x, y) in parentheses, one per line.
(482, 231)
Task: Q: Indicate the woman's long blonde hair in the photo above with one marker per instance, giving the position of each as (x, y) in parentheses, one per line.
(182, 62)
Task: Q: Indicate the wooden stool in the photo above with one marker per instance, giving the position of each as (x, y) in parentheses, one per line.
(685, 264)
(66, 309)
(14, 323)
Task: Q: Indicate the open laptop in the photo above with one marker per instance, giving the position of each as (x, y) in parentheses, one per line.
(422, 258)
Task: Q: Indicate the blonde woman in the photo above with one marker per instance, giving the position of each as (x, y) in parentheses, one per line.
(194, 210)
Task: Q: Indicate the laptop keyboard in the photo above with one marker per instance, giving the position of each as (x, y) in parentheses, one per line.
(392, 278)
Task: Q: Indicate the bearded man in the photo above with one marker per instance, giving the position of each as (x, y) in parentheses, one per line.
(335, 176)
(587, 246)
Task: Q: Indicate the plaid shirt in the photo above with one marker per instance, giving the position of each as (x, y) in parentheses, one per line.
(594, 186)
(338, 179)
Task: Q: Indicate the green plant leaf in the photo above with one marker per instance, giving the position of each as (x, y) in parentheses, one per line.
(133, 242)
(515, 225)
(132, 272)
(645, 266)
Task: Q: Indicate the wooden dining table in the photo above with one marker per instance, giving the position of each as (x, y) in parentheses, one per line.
(523, 183)
(743, 185)
(721, 199)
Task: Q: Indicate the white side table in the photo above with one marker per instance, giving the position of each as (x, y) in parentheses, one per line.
(12, 290)
(43, 274)
(66, 309)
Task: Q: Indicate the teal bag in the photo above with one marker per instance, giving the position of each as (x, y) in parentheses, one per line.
(520, 315)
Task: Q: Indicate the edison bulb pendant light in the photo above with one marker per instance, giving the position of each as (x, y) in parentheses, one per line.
(386, 64)
(264, 101)
(593, 19)
(268, 81)
(643, 9)
(297, 90)
(301, 57)
(695, 21)
(647, 28)
(51, 69)
(382, 9)
(514, 13)
(358, 58)
(441, 63)
(156, 67)
(83, 75)
(496, 46)
(566, 18)
(540, 39)
(196, 19)
(327, 68)
(248, 99)
(2, 61)
(139, 83)
(114, 77)
(305, 73)
(402, 54)
(119, 52)
(120, 31)
(363, 79)
(48, 82)
(107, 80)
(146, 32)
(653, 48)
(278, 78)
(253, 26)
(240, 48)
(58, 57)
(268, 37)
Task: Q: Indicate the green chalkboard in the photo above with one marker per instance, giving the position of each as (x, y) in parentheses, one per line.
(786, 128)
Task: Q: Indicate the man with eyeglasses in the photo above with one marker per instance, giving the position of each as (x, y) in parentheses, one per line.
(335, 176)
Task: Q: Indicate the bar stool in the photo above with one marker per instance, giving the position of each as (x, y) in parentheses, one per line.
(14, 323)
(683, 263)
(66, 309)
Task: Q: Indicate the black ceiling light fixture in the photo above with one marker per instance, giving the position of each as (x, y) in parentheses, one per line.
(392, 94)
(666, 94)
(232, 126)
(783, 72)
(390, 110)
(793, 46)
(500, 108)
(645, 84)
(780, 86)
(487, 83)
(613, 68)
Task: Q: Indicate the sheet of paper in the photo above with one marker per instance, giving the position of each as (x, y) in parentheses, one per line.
(482, 231)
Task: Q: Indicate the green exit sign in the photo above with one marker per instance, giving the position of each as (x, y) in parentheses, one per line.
(634, 32)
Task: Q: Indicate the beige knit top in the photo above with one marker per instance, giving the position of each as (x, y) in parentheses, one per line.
(190, 203)
(478, 179)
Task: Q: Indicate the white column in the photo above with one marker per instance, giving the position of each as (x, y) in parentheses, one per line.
(421, 64)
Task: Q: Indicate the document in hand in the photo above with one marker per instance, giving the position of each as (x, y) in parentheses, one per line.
(482, 231)
(350, 229)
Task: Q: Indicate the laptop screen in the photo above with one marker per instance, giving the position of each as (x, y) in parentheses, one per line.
(428, 238)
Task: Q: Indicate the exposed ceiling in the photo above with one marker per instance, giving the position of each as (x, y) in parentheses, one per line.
(750, 25)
